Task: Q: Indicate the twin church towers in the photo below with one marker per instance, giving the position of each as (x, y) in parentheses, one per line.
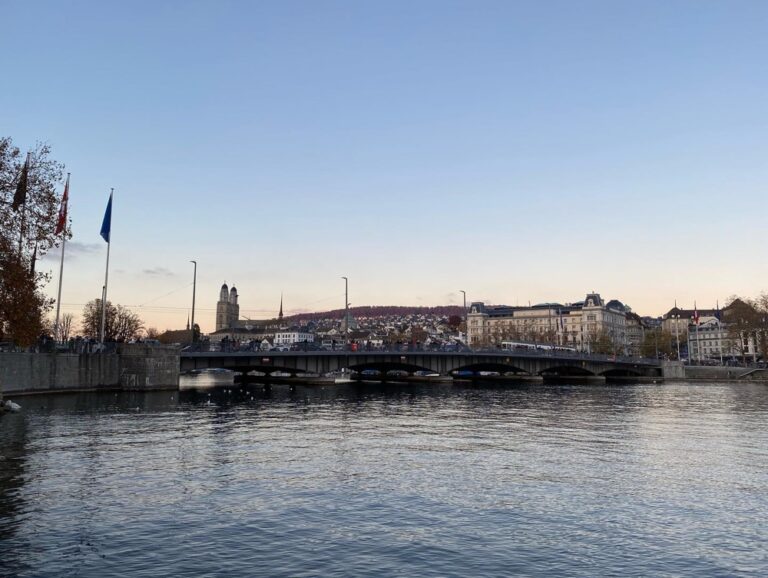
(228, 310)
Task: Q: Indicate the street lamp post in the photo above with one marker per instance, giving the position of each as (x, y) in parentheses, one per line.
(466, 321)
(194, 291)
(720, 338)
(346, 310)
(677, 334)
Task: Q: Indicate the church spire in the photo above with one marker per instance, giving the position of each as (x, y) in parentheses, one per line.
(187, 321)
(280, 315)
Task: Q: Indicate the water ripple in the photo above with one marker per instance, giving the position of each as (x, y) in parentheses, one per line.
(388, 481)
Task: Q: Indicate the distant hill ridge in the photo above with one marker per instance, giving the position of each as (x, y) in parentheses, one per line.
(379, 311)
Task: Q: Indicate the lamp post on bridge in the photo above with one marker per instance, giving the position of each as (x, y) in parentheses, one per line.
(194, 290)
(346, 310)
(466, 321)
(677, 333)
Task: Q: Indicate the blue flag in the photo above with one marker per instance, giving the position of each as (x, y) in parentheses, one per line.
(106, 224)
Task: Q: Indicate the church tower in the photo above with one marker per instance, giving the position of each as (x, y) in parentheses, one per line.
(234, 308)
(280, 315)
(222, 308)
(227, 308)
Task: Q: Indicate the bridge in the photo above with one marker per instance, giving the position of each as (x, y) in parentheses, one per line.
(384, 363)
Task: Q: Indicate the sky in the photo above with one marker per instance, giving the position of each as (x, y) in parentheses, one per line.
(521, 151)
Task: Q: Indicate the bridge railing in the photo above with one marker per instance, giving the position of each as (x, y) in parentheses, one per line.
(403, 349)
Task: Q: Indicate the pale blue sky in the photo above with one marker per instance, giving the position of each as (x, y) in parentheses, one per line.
(518, 150)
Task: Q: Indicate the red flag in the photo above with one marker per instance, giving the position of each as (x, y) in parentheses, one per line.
(61, 224)
(695, 314)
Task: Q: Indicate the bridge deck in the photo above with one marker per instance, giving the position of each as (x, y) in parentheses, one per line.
(442, 362)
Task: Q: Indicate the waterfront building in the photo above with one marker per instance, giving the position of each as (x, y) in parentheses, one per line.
(577, 325)
(242, 334)
(714, 334)
(292, 336)
(635, 330)
(676, 321)
(715, 340)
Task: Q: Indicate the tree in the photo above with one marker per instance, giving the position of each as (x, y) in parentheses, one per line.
(550, 336)
(22, 303)
(603, 343)
(121, 324)
(65, 326)
(26, 234)
(655, 340)
(761, 304)
(744, 321)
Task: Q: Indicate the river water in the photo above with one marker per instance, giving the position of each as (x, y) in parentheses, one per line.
(396, 480)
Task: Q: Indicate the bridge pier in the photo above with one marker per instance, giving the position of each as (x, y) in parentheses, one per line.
(501, 379)
(574, 379)
(618, 379)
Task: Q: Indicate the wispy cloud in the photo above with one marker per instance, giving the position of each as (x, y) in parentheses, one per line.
(82, 248)
(159, 272)
(73, 250)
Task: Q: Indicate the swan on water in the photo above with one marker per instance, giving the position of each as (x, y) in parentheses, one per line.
(8, 405)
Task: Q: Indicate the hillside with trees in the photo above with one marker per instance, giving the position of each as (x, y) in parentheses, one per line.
(373, 311)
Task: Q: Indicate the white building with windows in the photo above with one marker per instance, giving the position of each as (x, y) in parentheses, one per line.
(292, 336)
(576, 325)
(713, 340)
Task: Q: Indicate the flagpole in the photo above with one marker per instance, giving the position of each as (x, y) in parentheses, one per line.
(106, 273)
(698, 343)
(104, 297)
(56, 328)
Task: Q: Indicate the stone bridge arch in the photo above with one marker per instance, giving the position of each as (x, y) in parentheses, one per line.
(566, 371)
(621, 372)
(489, 366)
(267, 369)
(384, 367)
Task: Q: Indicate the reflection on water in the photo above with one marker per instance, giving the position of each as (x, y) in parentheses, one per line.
(427, 480)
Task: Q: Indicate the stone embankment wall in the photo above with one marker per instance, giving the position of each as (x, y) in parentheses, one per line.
(725, 373)
(131, 367)
(674, 370)
(145, 367)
